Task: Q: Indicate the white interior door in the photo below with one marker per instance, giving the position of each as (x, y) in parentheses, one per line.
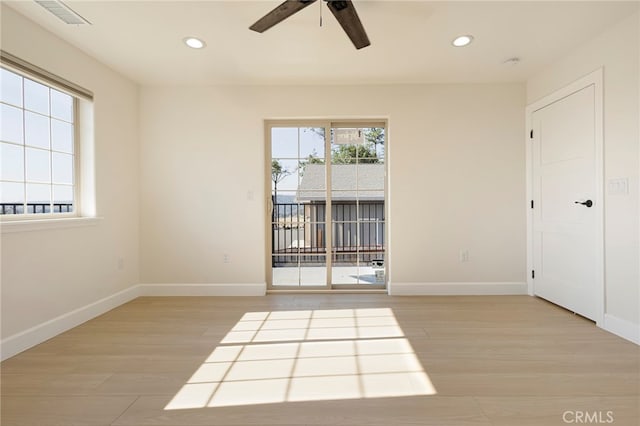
(565, 210)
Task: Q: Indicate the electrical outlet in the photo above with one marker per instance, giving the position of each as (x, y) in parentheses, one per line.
(464, 255)
(226, 258)
(120, 263)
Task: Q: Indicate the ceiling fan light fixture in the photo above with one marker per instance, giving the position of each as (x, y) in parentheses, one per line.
(194, 42)
(463, 40)
(343, 10)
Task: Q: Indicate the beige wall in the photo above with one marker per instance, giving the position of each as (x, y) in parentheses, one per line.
(617, 51)
(457, 178)
(49, 273)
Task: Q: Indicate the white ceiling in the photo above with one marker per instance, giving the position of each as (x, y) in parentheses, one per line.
(411, 40)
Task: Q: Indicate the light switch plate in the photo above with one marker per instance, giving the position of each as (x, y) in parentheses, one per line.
(618, 186)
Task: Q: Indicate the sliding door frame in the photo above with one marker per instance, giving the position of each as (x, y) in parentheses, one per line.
(327, 125)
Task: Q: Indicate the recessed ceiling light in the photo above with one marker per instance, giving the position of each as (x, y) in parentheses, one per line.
(462, 40)
(194, 43)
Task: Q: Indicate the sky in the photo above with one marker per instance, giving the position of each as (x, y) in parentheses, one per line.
(290, 145)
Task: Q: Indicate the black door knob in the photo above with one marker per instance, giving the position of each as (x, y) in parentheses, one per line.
(587, 203)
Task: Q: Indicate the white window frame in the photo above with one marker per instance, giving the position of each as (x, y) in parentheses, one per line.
(83, 174)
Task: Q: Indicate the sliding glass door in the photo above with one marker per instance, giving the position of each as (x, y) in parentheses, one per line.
(326, 221)
(298, 224)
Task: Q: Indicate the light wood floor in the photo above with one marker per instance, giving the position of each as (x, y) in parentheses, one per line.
(509, 360)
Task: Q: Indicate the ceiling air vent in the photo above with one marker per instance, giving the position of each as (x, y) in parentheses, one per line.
(63, 12)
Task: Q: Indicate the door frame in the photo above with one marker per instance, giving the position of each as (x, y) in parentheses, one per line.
(594, 79)
(327, 124)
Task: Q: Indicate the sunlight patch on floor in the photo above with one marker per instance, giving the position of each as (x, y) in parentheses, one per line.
(311, 355)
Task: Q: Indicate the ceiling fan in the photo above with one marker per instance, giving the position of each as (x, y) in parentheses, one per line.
(343, 10)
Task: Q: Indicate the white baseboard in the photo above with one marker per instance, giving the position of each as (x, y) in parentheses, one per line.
(24, 340)
(249, 289)
(623, 328)
(458, 289)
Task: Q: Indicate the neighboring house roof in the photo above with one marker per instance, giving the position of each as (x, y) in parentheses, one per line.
(370, 182)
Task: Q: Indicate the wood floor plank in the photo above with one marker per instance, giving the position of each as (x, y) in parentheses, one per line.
(51, 384)
(71, 363)
(552, 364)
(141, 384)
(513, 384)
(429, 410)
(62, 410)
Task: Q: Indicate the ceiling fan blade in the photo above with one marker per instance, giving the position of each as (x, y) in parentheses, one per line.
(345, 13)
(279, 14)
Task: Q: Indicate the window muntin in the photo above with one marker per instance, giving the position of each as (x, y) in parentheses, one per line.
(38, 173)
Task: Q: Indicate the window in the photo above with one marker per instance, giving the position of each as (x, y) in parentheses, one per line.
(38, 148)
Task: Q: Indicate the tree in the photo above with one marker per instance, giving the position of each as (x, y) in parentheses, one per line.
(311, 159)
(278, 174)
(366, 153)
(350, 154)
(375, 136)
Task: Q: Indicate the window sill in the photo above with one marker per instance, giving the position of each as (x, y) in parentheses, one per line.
(9, 226)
